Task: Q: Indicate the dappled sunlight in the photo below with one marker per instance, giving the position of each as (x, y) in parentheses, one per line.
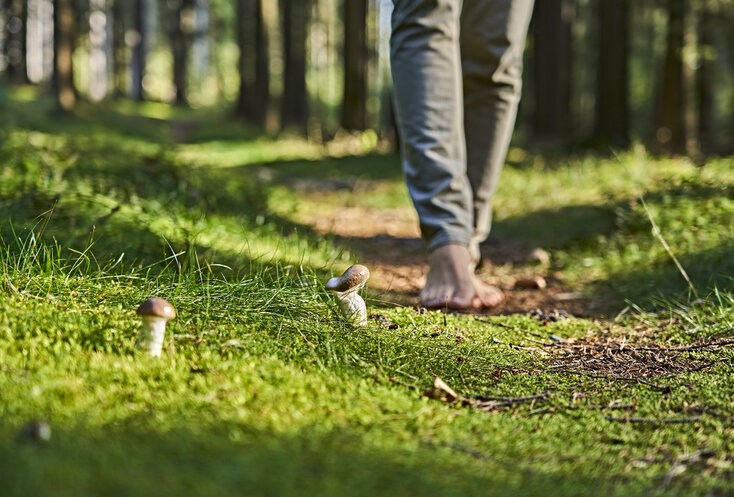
(241, 234)
(228, 160)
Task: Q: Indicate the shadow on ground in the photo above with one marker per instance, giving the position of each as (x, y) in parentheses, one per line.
(109, 182)
(236, 460)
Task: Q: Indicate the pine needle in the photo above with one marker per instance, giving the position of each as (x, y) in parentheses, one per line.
(659, 235)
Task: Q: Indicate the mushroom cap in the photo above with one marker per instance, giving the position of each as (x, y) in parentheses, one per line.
(157, 306)
(354, 277)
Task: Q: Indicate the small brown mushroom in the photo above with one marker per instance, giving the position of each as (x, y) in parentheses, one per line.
(34, 431)
(156, 312)
(345, 289)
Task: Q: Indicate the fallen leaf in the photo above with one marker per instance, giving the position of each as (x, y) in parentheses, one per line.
(439, 384)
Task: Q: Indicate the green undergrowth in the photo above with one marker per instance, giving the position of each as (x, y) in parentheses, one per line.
(596, 215)
(262, 390)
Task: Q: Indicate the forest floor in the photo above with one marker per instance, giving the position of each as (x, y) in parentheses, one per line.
(388, 241)
(616, 379)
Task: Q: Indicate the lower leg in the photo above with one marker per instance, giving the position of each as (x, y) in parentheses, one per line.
(426, 70)
(492, 41)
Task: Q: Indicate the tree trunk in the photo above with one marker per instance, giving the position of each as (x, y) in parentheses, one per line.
(246, 21)
(670, 128)
(16, 12)
(98, 42)
(200, 49)
(39, 41)
(552, 22)
(354, 106)
(704, 82)
(180, 29)
(294, 105)
(612, 102)
(253, 38)
(729, 148)
(118, 48)
(64, 34)
(137, 42)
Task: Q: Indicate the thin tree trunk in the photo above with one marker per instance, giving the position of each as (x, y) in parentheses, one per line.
(246, 28)
(253, 39)
(354, 105)
(64, 33)
(39, 30)
(552, 60)
(180, 17)
(730, 38)
(612, 102)
(15, 44)
(99, 73)
(294, 105)
(263, 110)
(138, 42)
(704, 82)
(118, 48)
(690, 110)
(670, 130)
(200, 48)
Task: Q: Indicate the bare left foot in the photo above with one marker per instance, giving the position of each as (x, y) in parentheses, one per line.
(451, 283)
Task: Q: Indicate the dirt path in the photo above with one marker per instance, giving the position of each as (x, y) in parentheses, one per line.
(388, 242)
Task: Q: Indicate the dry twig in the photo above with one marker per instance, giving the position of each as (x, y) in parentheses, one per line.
(654, 420)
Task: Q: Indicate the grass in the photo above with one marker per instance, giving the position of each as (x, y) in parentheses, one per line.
(261, 390)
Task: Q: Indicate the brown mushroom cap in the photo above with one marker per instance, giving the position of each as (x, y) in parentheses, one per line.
(354, 276)
(157, 306)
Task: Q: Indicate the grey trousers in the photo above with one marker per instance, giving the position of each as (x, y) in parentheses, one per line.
(457, 76)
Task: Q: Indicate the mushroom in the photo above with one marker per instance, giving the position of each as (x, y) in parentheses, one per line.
(156, 312)
(34, 431)
(345, 288)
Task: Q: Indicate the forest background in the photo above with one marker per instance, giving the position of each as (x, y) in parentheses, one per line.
(232, 156)
(597, 73)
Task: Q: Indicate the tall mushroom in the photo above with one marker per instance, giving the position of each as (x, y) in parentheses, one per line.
(156, 312)
(345, 288)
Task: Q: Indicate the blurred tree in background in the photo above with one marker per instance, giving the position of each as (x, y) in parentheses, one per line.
(64, 34)
(354, 108)
(15, 39)
(611, 124)
(598, 73)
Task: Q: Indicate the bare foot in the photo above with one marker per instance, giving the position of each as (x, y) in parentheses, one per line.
(451, 282)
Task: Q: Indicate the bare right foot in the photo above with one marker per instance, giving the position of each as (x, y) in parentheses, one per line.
(451, 283)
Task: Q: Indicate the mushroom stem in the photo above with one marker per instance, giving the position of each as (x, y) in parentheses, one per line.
(345, 288)
(151, 337)
(352, 307)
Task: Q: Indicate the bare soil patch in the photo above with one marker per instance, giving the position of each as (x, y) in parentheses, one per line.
(388, 242)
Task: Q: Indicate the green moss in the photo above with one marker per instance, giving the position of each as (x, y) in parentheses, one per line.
(261, 390)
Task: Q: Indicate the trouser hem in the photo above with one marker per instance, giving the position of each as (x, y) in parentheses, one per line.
(447, 238)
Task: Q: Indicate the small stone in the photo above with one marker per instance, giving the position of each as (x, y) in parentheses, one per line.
(533, 283)
(539, 256)
(380, 319)
(566, 296)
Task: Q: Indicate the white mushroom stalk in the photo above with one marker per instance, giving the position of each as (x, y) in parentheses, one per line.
(345, 289)
(156, 313)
